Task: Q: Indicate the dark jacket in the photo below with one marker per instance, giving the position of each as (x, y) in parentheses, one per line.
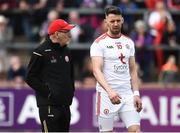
(50, 74)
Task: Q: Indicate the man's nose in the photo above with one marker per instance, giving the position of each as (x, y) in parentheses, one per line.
(116, 23)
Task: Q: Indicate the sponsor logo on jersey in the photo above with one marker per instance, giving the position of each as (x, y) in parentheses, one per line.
(122, 58)
(110, 47)
(53, 59)
(120, 68)
(117, 43)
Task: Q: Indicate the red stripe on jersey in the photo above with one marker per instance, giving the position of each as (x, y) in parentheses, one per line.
(126, 37)
(114, 37)
(103, 36)
(98, 103)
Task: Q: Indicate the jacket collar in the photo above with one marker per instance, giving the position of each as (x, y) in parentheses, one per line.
(54, 45)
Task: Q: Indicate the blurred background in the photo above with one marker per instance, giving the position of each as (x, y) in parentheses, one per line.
(153, 25)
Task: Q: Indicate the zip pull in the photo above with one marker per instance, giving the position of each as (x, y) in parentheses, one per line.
(49, 109)
(49, 112)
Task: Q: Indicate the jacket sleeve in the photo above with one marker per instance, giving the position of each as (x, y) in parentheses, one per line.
(72, 75)
(72, 70)
(33, 76)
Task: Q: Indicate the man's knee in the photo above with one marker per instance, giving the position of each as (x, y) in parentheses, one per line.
(134, 128)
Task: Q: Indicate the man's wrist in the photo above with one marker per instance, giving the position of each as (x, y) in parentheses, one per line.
(136, 93)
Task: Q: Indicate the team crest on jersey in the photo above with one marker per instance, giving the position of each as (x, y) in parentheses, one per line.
(106, 111)
(127, 46)
(53, 59)
(66, 58)
(110, 47)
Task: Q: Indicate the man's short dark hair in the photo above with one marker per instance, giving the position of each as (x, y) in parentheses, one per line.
(112, 10)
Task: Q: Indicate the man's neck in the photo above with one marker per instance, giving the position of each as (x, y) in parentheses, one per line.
(114, 35)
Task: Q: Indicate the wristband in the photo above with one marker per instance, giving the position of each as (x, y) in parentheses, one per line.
(136, 93)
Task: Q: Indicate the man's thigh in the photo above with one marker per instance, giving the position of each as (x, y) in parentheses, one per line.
(104, 107)
(128, 113)
(105, 111)
(55, 119)
(130, 118)
(105, 124)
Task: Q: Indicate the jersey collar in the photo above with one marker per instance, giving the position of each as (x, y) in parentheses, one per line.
(116, 37)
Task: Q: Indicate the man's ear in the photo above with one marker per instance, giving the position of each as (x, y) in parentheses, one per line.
(122, 20)
(57, 34)
(105, 21)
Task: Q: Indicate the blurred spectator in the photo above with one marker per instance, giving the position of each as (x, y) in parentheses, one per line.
(16, 69)
(104, 3)
(57, 5)
(96, 3)
(32, 4)
(6, 36)
(158, 15)
(100, 30)
(2, 71)
(1, 66)
(170, 35)
(169, 72)
(125, 6)
(51, 16)
(7, 5)
(76, 31)
(87, 78)
(18, 82)
(89, 22)
(157, 22)
(173, 4)
(158, 18)
(6, 33)
(89, 4)
(87, 29)
(143, 40)
(140, 4)
(72, 3)
(31, 10)
(170, 39)
(151, 4)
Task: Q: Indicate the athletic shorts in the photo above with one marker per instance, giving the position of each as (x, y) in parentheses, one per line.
(106, 111)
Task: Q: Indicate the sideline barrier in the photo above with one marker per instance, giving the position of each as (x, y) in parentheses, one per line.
(161, 113)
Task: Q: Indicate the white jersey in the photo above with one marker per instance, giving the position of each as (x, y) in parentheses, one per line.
(116, 53)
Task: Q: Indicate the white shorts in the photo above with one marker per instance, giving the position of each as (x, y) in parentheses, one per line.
(106, 111)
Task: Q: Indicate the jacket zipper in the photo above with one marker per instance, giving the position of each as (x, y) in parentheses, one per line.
(49, 109)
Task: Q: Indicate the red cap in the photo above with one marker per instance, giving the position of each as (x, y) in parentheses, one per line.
(59, 24)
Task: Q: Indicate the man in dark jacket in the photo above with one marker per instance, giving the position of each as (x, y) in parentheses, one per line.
(50, 74)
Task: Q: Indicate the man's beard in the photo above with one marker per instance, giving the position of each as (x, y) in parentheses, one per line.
(116, 32)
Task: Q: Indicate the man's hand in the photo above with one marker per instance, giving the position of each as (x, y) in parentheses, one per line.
(137, 103)
(114, 97)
